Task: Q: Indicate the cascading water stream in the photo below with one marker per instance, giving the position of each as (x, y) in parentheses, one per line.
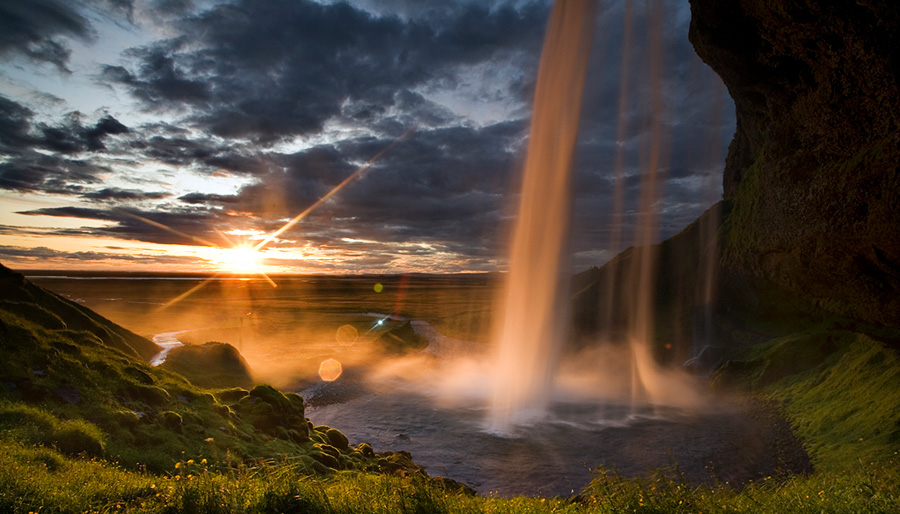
(528, 337)
(532, 316)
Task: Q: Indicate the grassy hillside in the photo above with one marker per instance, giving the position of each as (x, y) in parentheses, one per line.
(76, 401)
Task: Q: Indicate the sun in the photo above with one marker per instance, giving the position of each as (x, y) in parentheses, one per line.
(240, 260)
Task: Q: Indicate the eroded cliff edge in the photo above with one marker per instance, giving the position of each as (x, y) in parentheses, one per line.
(812, 178)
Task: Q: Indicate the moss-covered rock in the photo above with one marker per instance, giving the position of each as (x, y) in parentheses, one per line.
(275, 413)
(338, 439)
(401, 339)
(172, 421)
(212, 364)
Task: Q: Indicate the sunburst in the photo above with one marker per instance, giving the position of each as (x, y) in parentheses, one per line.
(240, 260)
(245, 259)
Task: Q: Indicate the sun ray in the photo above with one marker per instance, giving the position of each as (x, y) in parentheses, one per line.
(242, 258)
(165, 227)
(358, 174)
(189, 292)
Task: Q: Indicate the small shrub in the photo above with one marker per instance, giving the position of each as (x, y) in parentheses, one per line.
(150, 395)
(172, 421)
(77, 437)
(231, 395)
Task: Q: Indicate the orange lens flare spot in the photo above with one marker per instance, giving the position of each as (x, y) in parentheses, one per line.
(347, 334)
(330, 370)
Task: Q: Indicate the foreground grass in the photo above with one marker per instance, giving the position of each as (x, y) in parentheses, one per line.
(42, 480)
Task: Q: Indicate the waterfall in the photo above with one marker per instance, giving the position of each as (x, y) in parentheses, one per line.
(528, 338)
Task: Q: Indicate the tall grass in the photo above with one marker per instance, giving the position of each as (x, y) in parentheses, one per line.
(39, 479)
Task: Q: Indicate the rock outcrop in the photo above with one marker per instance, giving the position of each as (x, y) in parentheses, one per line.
(212, 364)
(813, 173)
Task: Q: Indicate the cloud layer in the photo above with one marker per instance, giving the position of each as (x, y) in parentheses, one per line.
(235, 116)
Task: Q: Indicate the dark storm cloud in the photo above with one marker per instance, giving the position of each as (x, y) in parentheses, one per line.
(185, 226)
(208, 199)
(175, 150)
(72, 137)
(25, 168)
(175, 146)
(33, 171)
(21, 255)
(116, 194)
(446, 186)
(107, 125)
(266, 71)
(158, 83)
(15, 123)
(36, 29)
(18, 132)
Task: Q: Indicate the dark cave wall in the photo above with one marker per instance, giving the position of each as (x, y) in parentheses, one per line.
(812, 176)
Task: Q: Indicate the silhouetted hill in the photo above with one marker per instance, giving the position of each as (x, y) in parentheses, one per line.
(33, 302)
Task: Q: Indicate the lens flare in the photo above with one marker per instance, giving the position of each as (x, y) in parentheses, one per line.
(347, 334)
(330, 370)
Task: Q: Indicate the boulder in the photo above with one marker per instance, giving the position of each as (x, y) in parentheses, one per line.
(212, 364)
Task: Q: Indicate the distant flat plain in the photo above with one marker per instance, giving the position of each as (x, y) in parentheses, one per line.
(287, 330)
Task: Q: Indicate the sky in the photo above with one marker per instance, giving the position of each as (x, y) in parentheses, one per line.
(172, 135)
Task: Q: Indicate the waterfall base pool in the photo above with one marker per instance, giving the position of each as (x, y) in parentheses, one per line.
(557, 456)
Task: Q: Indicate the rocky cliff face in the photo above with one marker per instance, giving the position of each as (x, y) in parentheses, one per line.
(813, 173)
